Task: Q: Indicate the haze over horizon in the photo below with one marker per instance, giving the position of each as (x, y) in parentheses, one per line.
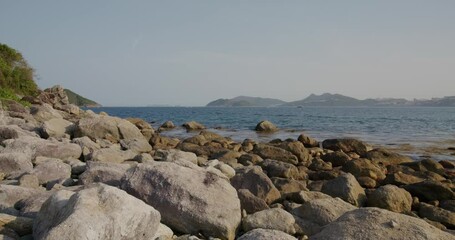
(189, 53)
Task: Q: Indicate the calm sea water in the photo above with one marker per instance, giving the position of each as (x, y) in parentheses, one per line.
(413, 130)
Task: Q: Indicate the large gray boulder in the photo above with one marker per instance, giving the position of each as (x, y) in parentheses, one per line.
(257, 182)
(103, 172)
(57, 127)
(271, 152)
(14, 131)
(172, 155)
(275, 219)
(392, 198)
(98, 212)
(15, 164)
(266, 126)
(347, 188)
(437, 214)
(346, 145)
(376, 223)
(137, 145)
(106, 127)
(112, 155)
(430, 191)
(40, 147)
(44, 112)
(251, 203)
(275, 168)
(88, 146)
(265, 234)
(51, 170)
(191, 199)
(323, 211)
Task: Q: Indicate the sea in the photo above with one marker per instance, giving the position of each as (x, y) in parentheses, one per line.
(420, 132)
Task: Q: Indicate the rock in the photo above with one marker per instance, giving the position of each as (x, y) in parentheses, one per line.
(346, 145)
(308, 141)
(227, 170)
(287, 186)
(55, 96)
(167, 125)
(30, 206)
(375, 223)
(319, 165)
(430, 191)
(437, 214)
(275, 168)
(197, 139)
(400, 179)
(228, 157)
(364, 168)
(447, 164)
(106, 127)
(367, 182)
(103, 172)
(71, 109)
(336, 158)
(21, 225)
(87, 146)
(139, 145)
(265, 126)
(44, 112)
(305, 227)
(257, 182)
(259, 234)
(275, 153)
(51, 170)
(296, 148)
(112, 155)
(57, 127)
(145, 128)
(15, 164)
(274, 219)
(251, 203)
(307, 196)
(323, 211)
(143, 158)
(10, 195)
(160, 142)
(13, 132)
(98, 212)
(426, 165)
(192, 125)
(191, 199)
(163, 233)
(347, 188)
(172, 155)
(29, 181)
(385, 157)
(249, 159)
(448, 205)
(392, 198)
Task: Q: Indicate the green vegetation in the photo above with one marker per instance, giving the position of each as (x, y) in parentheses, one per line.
(16, 76)
(78, 100)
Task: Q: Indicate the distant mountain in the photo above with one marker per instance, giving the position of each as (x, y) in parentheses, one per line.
(80, 101)
(243, 101)
(328, 99)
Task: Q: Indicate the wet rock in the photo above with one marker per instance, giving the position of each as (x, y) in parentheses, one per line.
(447, 164)
(392, 198)
(192, 125)
(347, 188)
(430, 191)
(275, 153)
(346, 145)
(266, 126)
(375, 223)
(437, 214)
(257, 234)
(257, 182)
(308, 141)
(251, 203)
(385, 157)
(98, 212)
(275, 219)
(167, 125)
(336, 158)
(190, 199)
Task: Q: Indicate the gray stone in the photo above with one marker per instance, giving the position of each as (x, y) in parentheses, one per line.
(137, 145)
(392, 198)
(15, 164)
(57, 127)
(275, 153)
(51, 170)
(172, 155)
(264, 234)
(103, 172)
(347, 188)
(112, 155)
(251, 203)
(346, 145)
(275, 219)
(266, 126)
(192, 125)
(437, 214)
(257, 182)
(323, 211)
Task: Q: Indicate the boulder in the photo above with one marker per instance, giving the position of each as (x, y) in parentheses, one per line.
(275, 168)
(392, 198)
(54, 96)
(87, 146)
(323, 211)
(376, 223)
(13, 132)
(364, 168)
(448, 205)
(286, 186)
(275, 153)
(296, 148)
(437, 214)
(265, 126)
(103, 172)
(98, 212)
(257, 182)
(30, 206)
(163, 233)
(29, 181)
(426, 165)
(308, 141)
(249, 159)
(318, 164)
(137, 145)
(347, 188)
(106, 127)
(39, 147)
(401, 178)
(275, 219)
(192, 125)
(228, 156)
(57, 127)
(112, 155)
(161, 142)
(307, 196)
(167, 125)
(145, 128)
(51, 170)
(346, 145)
(44, 112)
(10, 195)
(172, 155)
(430, 191)
(15, 164)
(385, 157)
(251, 203)
(336, 158)
(259, 234)
(21, 225)
(191, 199)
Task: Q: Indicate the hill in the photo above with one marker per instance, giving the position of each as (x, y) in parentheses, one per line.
(244, 101)
(326, 99)
(78, 100)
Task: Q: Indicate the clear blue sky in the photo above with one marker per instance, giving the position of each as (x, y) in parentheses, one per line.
(131, 53)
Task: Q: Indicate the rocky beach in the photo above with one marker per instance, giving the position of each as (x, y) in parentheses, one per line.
(68, 173)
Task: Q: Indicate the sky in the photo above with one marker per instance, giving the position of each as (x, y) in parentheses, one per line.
(188, 53)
